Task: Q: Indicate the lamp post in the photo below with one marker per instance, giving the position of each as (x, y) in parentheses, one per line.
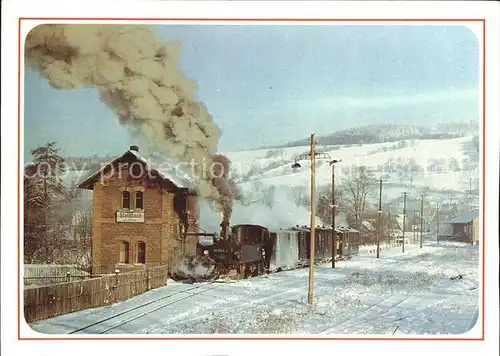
(312, 155)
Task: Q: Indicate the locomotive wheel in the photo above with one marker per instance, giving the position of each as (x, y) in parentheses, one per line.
(250, 270)
(246, 270)
(261, 268)
(255, 270)
(241, 269)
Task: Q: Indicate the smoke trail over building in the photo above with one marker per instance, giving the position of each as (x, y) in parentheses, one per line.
(138, 77)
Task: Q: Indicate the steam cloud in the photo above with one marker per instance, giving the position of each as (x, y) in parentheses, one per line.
(283, 213)
(138, 77)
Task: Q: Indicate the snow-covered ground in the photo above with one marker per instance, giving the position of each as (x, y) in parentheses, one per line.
(410, 293)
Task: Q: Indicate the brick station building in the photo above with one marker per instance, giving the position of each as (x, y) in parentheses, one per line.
(141, 215)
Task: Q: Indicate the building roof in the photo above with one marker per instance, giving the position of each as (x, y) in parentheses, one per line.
(367, 225)
(466, 217)
(165, 170)
(339, 229)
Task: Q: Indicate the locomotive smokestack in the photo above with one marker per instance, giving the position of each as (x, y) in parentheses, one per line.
(224, 225)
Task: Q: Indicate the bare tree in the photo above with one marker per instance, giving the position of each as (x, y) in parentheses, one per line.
(453, 165)
(268, 195)
(301, 196)
(424, 190)
(259, 193)
(324, 202)
(359, 185)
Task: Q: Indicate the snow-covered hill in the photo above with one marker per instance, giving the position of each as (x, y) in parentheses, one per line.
(414, 165)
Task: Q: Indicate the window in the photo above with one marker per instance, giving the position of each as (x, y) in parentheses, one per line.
(138, 200)
(141, 252)
(126, 200)
(124, 251)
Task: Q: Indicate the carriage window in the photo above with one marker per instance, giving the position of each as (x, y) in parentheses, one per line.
(124, 250)
(141, 252)
(126, 200)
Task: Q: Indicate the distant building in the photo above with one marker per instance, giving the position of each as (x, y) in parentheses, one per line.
(438, 220)
(141, 215)
(465, 227)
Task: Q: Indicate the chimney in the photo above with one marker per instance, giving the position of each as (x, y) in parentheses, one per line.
(134, 148)
(224, 229)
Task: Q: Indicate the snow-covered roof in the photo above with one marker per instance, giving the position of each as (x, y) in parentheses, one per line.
(167, 170)
(164, 169)
(466, 217)
(368, 225)
(340, 229)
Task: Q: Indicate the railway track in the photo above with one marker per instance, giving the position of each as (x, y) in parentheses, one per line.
(127, 316)
(137, 312)
(180, 324)
(368, 313)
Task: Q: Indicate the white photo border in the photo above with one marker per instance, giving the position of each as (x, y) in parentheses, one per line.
(256, 10)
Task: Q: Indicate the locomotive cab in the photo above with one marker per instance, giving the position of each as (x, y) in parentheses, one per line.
(252, 240)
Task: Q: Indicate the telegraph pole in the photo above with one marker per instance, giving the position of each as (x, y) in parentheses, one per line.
(404, 222)
(421, 219)
(389, 227)
(437, 222)
(312, 253)
(469, 227)
(334, 212)
(313, 223)
(413, 226)
(470, 193)
(379, 219)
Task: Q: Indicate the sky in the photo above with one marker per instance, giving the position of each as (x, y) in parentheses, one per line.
(267, 85)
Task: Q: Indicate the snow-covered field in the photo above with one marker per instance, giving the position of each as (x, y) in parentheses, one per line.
(445, 164)
(410, 293)
(440, 164)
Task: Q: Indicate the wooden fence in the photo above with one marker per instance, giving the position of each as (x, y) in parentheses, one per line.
(57, 299)
(39, 275)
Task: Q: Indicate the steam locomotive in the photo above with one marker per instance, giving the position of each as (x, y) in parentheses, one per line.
(253, 250)
(245, 249)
